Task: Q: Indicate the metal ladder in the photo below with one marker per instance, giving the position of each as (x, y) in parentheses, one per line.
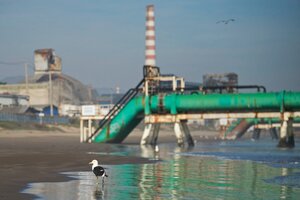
(130, 94)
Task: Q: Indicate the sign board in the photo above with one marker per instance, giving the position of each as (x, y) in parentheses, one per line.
(88, 110)
(223, 122)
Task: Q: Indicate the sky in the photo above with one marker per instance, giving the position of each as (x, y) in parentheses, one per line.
(101, 42)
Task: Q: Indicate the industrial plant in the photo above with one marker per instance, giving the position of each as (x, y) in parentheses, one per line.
(156, 99)
(167, 99)
(47, 91)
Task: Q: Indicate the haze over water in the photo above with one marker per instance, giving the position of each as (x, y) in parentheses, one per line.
(214, 170)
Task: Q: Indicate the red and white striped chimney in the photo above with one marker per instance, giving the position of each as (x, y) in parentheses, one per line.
(150, 57)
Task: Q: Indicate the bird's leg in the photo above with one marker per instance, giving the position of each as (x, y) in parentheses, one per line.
(102, 184)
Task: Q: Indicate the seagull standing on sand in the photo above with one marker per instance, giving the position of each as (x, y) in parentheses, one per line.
(98, 170)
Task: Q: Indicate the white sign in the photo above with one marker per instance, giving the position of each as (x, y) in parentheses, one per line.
(223, 122)
(88, 110)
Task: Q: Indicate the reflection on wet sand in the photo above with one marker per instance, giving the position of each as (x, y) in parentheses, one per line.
(99, 192)
(179, 173)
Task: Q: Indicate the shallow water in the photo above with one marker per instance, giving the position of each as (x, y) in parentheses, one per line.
(217, 170)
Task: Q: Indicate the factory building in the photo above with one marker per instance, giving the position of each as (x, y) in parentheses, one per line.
(226, 79)
(49, 88)
(214, 81)
(13, 103)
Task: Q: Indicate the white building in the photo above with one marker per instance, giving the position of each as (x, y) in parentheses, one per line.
(13, 103)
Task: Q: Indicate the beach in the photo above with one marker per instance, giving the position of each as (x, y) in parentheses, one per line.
(28, 156)
(35, 156)
(38, 156)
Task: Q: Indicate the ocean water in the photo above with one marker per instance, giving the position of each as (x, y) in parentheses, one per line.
(214, 170)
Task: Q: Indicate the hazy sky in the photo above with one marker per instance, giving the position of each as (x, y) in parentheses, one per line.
(101, 42)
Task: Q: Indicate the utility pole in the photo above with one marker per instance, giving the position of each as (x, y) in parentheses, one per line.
(26, 78)
(50, 94)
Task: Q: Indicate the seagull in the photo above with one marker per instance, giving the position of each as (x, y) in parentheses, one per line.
(225, 21)
(98, 170)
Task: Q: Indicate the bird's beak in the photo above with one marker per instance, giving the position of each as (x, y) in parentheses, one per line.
(90, 163)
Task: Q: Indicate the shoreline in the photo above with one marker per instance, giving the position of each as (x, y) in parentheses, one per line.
(28, 156)
(40, 156)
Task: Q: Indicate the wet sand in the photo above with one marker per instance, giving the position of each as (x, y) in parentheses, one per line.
(35, 156)
(38, 156)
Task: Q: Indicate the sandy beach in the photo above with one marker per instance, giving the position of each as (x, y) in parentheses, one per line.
(34, 156)
(28, 156)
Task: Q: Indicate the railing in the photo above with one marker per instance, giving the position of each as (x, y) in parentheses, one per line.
(29, 118)
(131, 93)
(196, 89)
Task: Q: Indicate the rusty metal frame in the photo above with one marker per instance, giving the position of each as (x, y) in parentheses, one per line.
(168, 118)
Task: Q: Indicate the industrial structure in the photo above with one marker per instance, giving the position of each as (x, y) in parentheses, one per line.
(45, 60)
(49, 90)
(150, 55)
(13, 103)
(159, 98)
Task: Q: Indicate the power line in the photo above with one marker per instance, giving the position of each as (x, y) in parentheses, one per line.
(15, 63)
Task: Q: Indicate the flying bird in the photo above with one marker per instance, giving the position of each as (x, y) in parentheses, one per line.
(98, 170)
(225, 21)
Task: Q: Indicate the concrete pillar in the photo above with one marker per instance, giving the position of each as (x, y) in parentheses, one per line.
(81, 131)
(93, 130)
(256, 134)
(151, 131)
(290, 133)
(155, 134)
(286, 134)
(85, 129)
(179, 134)
(187, 134)
(89, 130)
(273, 133)
(146, 134)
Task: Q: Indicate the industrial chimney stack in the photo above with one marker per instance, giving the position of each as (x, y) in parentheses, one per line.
(150, 57)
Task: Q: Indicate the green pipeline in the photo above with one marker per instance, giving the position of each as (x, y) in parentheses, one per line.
(282, 101)
(133, 112)
(252, 121)
(123, 123)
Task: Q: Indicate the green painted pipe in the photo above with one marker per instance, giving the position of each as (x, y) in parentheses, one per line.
(123, 123)
(289, 101)
(240, 126)
(132, 113)
(233, 125)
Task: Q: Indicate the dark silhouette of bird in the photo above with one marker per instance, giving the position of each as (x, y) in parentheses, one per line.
(98, 170)
(225, 21)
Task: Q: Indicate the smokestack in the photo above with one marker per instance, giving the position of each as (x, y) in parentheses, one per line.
(150, 57)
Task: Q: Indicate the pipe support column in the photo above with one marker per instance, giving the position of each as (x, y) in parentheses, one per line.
(286, 134)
